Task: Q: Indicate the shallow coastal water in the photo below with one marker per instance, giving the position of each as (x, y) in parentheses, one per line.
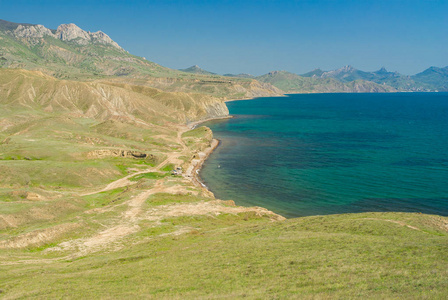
(313, 154)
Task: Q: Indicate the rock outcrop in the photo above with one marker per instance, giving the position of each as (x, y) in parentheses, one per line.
(339, 72)
(35, 31)
(119, 153)
(66, 33)
(69, 32)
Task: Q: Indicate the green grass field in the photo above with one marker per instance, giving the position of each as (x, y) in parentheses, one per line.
(233, 256)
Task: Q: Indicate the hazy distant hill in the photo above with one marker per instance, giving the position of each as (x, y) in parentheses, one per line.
(313, 73)
(290, 82)
(429, 80)
(241, 75)
(197, 70)
(433, 78)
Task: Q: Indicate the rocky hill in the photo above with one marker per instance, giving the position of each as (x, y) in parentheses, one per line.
(65, 32)
(67, 52)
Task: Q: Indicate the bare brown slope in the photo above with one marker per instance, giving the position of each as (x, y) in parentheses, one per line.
(217, 86)
(102, 100)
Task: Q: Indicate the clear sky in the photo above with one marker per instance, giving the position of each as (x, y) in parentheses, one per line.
(258, 36)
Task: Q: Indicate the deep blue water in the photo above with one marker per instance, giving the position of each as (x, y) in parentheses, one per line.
(315, 154)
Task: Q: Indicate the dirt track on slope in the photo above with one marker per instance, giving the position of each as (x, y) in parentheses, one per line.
(127, 223)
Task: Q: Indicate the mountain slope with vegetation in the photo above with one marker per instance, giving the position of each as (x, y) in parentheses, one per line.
(72, 53)
(433, 78)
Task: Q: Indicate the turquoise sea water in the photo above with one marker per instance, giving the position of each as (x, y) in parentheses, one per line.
(334, 153)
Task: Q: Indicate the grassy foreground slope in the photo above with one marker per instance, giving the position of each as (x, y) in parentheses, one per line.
(370, 255)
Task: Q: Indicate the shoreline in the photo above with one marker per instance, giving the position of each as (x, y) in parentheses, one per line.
(196, 166)
(193, 125)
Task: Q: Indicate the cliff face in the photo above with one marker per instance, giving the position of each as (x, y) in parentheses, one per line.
(36, 31)
(263, 89)
(71, 32)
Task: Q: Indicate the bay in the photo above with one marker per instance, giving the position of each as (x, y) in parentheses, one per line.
(316, 154)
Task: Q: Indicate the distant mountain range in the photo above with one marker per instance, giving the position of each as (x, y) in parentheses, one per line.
(432, 79)
(349, 79)
(72, 53)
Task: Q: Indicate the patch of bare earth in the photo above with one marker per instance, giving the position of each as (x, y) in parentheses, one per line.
(396, 222)
(129, 219)
(38, 237)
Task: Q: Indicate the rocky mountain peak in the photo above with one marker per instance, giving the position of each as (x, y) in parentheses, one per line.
(347, 68)
(65, 32)
(32, 31)
(339, 72)
(102, 38)
(69, 32)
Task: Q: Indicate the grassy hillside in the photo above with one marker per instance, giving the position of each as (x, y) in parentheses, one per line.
(69, 59)
(370, 255)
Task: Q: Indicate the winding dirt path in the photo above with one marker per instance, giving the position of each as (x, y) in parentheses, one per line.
(171, 157)
(128, 221)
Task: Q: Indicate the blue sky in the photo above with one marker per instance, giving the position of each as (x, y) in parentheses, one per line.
(260, 36)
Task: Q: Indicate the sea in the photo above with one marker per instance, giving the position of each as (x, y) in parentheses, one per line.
(319, 154)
